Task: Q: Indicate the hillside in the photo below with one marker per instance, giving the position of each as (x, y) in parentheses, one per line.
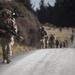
(27, 25)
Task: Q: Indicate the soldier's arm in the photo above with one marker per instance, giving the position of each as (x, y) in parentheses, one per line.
(15, 25)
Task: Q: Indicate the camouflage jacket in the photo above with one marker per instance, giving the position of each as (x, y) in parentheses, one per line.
(6, 24)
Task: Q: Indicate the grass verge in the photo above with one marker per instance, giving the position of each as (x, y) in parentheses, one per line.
(19, 49)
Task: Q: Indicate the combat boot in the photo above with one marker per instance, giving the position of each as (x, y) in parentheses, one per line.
(4, 61)
(8, 61)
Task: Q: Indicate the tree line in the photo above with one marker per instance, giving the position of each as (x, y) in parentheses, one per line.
(62, 14)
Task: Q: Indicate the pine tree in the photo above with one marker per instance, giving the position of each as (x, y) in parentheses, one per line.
(41, 12)
(67, 11)
(28, 4)
(62, 14)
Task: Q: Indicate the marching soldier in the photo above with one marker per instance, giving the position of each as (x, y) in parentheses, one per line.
(72, 38)
(46, 42)
(72, 31)
(52, 38)
(64, 44)
(66, 41)
(57, 43)
(60, 44)
(41, 34)
(8, 29)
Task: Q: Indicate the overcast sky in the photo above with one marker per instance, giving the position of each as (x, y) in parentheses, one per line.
(36, 3)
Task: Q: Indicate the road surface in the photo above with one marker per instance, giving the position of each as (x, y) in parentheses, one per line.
(42, 62)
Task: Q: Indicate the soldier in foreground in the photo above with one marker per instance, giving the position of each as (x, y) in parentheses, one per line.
(8, 29)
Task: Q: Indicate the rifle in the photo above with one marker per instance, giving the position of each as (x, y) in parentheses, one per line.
(16, 15)
(9, 30)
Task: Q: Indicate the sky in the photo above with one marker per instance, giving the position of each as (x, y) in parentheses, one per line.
(37, 2)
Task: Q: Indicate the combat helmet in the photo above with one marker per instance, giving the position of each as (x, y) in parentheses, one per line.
(6, 11)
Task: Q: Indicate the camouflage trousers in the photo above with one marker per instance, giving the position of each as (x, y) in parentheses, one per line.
(6, 44)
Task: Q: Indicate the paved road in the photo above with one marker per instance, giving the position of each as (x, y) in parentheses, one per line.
(42, 62)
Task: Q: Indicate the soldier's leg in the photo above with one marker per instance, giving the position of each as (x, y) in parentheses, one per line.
(52, 45)
(42, 45)
(46, 44)
(9, 53)
(4, 47)
(49, 44)
(57, 46)
(4, 54)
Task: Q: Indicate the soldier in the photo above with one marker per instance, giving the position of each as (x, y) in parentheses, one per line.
(8, 29)
(72, 31)
(57, 43)
(41, 34)
(60, 29)
(64, 45)
(66, 41)
(52, 38)
(46, 41)
(72, 38)
(50, 45)
(60, 44)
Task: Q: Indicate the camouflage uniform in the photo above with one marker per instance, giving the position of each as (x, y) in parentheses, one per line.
(51, 40)
(46, 41)
(60, 44)
(57, 43)
(72, 38)
(41, 34)
(7, 38)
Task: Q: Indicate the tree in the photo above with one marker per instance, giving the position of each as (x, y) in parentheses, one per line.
(62, 14)
(67, 11)
(28, 4)
(41, 13)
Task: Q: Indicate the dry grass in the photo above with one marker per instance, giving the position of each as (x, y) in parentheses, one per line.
(59, 35)
(62, 36)
(19, 49)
